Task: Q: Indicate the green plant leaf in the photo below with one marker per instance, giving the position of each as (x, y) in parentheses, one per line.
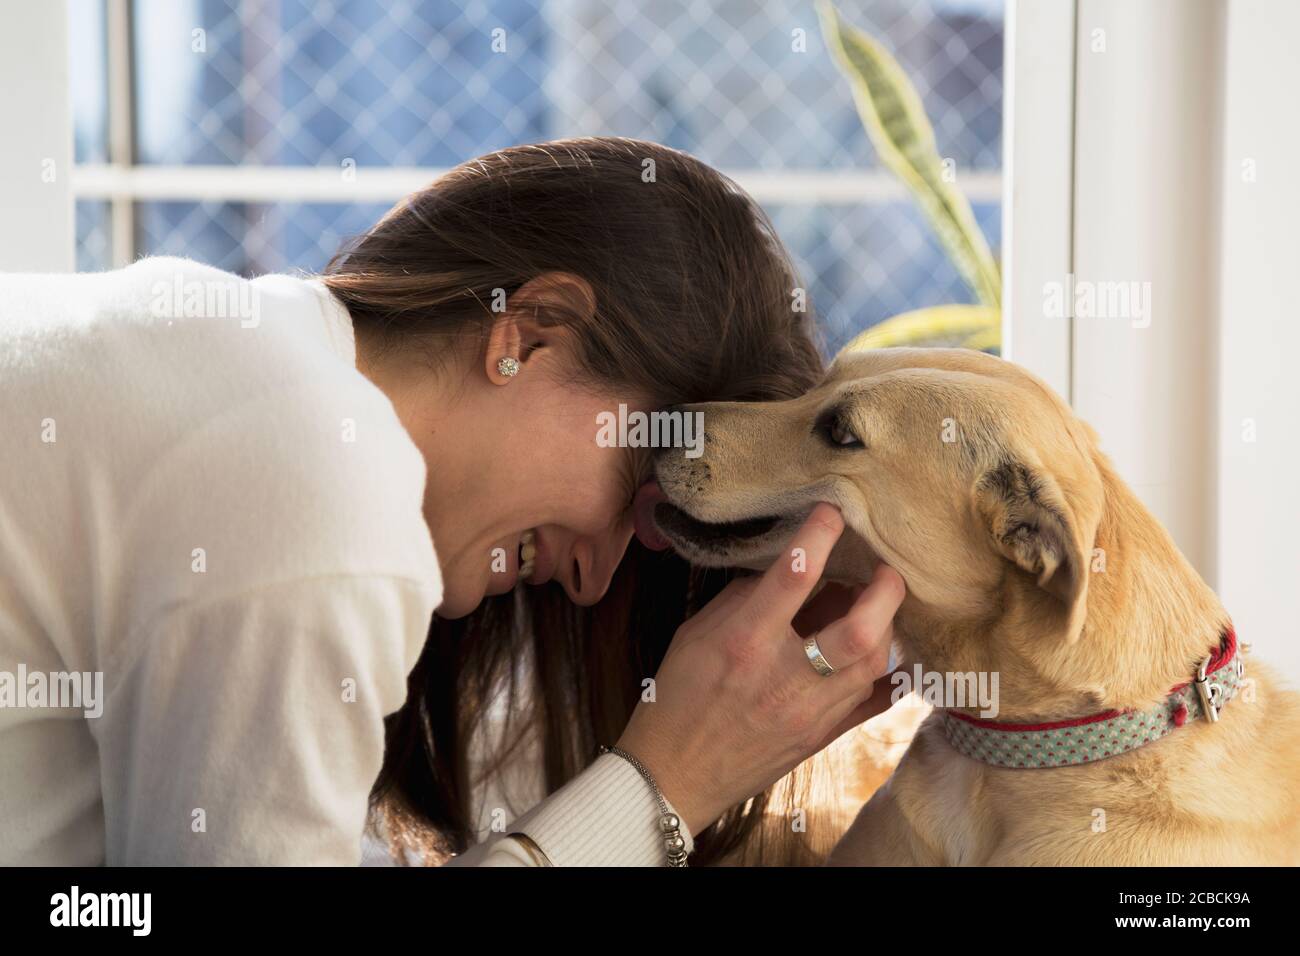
(984, 340)
(976, 326)
(895, 119)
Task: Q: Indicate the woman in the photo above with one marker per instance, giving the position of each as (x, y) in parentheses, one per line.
(244, 509)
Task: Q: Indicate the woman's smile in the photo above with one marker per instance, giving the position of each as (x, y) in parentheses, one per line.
(543, 564)
(523, 558)
(527, 552)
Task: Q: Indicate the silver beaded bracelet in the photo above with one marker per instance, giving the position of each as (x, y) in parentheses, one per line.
(669, 823)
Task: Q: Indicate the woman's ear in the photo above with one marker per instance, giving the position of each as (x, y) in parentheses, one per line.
(1030, 524)
(505, 346)
(522, 329)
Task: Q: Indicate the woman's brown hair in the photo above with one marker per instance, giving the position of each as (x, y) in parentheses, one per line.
(694, 302)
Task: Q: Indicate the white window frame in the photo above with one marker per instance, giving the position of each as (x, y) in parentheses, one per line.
(36, 161)
(1038, 163)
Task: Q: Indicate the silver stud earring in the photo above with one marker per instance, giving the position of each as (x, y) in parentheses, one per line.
(509, 367)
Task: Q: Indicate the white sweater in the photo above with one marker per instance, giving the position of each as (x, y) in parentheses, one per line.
(211, 525)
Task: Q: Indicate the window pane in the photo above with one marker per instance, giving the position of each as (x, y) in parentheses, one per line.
(722, 80)
(307, 83)
(88, 80)
(410, 84)
(252, 238)
(94, 238)
(866, 263)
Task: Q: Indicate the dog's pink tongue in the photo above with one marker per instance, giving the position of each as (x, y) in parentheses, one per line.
(643, 515)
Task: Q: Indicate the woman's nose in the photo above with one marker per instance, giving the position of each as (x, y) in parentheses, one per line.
(590, 566)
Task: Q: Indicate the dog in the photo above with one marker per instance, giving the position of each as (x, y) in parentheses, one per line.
(1128, 730)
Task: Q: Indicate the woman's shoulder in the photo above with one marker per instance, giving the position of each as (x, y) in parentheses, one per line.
(167, 313)
(226, 418)
(295, 449)
(151, 288)
(283, 488)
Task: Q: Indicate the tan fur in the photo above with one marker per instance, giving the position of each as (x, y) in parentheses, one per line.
(1024, 554)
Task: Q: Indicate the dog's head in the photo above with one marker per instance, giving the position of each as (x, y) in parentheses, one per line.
(954, 467)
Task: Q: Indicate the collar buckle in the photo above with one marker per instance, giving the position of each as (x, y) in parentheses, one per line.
(1211, 695)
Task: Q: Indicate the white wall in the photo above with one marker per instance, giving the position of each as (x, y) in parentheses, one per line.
(1258, 495)
(1178, 166)
(36, 224)
(1147, 136)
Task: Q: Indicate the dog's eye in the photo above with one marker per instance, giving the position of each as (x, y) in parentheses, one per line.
(842, 436)
(835, 431)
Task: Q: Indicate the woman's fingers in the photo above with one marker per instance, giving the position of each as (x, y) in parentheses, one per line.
(744, 700)
(857, 646)
(878, 702)
(785, 586)
(723, 605)
(825, 607)
(864, 632)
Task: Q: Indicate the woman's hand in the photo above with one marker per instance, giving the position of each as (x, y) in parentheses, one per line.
(737, 702)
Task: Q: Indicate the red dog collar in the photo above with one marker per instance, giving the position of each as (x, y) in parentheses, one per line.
(1063, 743)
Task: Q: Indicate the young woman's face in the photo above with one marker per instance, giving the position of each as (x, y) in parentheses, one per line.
(514, 462)
(544, 481)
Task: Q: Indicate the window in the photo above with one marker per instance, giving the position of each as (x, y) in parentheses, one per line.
(259, 135)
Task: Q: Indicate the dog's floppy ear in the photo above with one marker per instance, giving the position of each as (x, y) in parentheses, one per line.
(1029, 523)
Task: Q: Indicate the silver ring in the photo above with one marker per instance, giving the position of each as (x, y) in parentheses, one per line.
(820, 664)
